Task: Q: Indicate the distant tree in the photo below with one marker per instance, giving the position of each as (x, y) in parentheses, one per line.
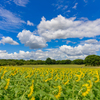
(20, 62)
(63, 62)
(48, 61)
(93, 60)
(78, 61)
(31, 60)
(3, 63)
(11, 63)
(53, 61)
(58, 62)
(27, 62)
(39, 62)
(68, 61)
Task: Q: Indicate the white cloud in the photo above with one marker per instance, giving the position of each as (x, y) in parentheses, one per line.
(21, 2)
(8, 20)
(84, 18)
(2, 51)
(39, 55)
(8, 40)
(30, 23)
(91, 41)
(86, 49)
(29, 39)
(63, 28)
(63, 52)
(69, 42)
(75, 6)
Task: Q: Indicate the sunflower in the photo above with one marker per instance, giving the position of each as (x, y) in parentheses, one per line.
(59, 93)
(7, 83)
(88, 88)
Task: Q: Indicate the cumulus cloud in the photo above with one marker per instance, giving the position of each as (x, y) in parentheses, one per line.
(39, 55)
(2, 51)
(8, 20)
(30, 23)
(75, 6)
(29, 39)
(8, 40)
(86, 49)
(63, 52)
(90, 41)
(63, 28)
(21, 2)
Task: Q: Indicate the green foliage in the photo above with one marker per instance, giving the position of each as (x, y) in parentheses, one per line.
(48, 61)
(53, 61)
(63, 62)
(68, 61)
(78, 61)
(93, 60)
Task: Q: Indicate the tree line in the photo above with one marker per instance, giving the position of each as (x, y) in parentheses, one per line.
(93, 60)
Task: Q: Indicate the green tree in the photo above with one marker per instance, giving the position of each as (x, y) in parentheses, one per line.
(58, 62)
(68, 61)
(48, 61)
(53, 61)
(78, 61)
(93, 60)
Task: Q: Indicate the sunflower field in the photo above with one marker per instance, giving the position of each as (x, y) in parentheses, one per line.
(19, 83)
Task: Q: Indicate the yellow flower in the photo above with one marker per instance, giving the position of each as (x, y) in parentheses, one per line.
(27, 75)
(79, 76)
(31, 87)
(32, 81)
(90, 83)
(57, 78)
(97, 76)
(86, 92)
(88, 86)
(15, 72)
(32, 98)
(48, 79)
(66, 82)
(3, 74)
(7, 84)
(59, 93)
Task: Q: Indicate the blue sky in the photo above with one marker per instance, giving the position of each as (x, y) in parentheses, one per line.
(59, 29)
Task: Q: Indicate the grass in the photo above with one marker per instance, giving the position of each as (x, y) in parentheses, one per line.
(58, 66)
